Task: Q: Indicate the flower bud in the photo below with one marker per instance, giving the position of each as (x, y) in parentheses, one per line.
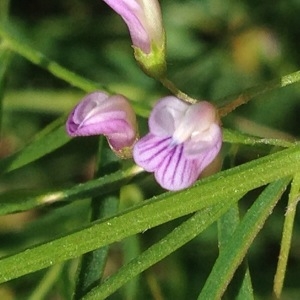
(144, 21)
(112, 116)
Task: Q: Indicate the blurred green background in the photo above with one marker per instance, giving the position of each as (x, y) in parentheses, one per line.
(215, 48)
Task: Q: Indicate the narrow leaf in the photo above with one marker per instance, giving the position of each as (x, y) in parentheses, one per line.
(148, 214)
(287, 235)
(48, 140)
(174, 240)
(236, 249)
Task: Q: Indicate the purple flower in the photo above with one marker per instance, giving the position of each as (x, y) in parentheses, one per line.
(112, 116)
(143, 18)
(182, 141)
(144, 21)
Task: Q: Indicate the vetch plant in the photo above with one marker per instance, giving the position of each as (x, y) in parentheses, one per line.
(118, 203)
(183, 140)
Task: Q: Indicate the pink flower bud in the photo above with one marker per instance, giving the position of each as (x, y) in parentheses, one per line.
(183, 140)
(112, 116)
(144, 21)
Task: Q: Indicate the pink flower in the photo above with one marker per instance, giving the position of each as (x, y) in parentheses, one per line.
(112, 116)
(182, 141)
(143, 18)
(144, 21)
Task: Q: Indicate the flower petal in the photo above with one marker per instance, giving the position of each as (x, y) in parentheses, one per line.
(131, 12)
(166, 115)
(150, 151)
(197, 119)
(204, 141)
(111, 116)
(177, 172)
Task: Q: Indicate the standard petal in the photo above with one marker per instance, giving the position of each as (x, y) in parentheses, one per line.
(150, 151)
(177, 172)
(166, 115)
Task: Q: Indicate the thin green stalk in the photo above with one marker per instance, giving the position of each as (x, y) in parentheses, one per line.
(130, 195)
(16, 45)
(241, 286)
(235, 137)
(47, 283)
(47, 140)
(287, 234)
(230, 103)
(178, 93)
(17, 201)
(131, 248)
(236, 248)
(148, 214)
(174, 240)
(5, 58)
(92, 264)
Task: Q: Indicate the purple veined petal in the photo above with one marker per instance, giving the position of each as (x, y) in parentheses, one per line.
(150, 151)
(205, 158)
(177, 172)
(167, 115)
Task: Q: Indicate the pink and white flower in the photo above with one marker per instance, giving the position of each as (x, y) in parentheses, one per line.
(143, 19)
(183, 140)
(98, 113)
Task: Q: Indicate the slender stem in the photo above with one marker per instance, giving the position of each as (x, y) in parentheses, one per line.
(178, 93)
(47, 283)
(241, 285)
(18, 46)
(91, 267)
(5, 58)
(230, 103)
(287, 236)
(234, 137)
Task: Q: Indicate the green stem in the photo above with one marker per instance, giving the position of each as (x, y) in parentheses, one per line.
(241, 286)
(235, 137)
(37, 58)
(5, 58)
(230, 103)
(178, 93)
(287, 236)
(20, 201)
(47, 283)
(92, 264)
